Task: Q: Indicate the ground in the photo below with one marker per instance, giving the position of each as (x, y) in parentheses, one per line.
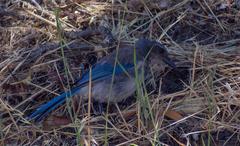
(45, 47)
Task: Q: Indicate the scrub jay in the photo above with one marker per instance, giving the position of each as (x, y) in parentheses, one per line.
(113, 77)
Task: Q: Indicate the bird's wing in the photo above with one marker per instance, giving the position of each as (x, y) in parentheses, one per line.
(102, 71)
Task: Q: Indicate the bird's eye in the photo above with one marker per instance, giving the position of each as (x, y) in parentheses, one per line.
(158, 48)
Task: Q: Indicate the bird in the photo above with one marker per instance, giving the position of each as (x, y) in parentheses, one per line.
(113, 76)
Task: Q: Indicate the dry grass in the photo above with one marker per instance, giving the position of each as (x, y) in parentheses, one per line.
(202, 36)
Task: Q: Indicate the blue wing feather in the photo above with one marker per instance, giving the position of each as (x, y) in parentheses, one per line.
(104, 70)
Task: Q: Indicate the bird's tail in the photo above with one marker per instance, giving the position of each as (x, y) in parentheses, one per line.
(46, 108)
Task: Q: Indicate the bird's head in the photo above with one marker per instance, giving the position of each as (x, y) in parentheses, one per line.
(155, 52)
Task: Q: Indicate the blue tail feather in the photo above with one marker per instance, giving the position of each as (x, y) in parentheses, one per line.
(52, 105)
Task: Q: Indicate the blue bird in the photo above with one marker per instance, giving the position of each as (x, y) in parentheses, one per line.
(113, 77)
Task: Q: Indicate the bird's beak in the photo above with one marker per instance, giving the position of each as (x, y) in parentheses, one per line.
(168, 61)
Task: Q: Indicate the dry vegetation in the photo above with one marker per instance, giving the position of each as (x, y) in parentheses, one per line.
(201, 35)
